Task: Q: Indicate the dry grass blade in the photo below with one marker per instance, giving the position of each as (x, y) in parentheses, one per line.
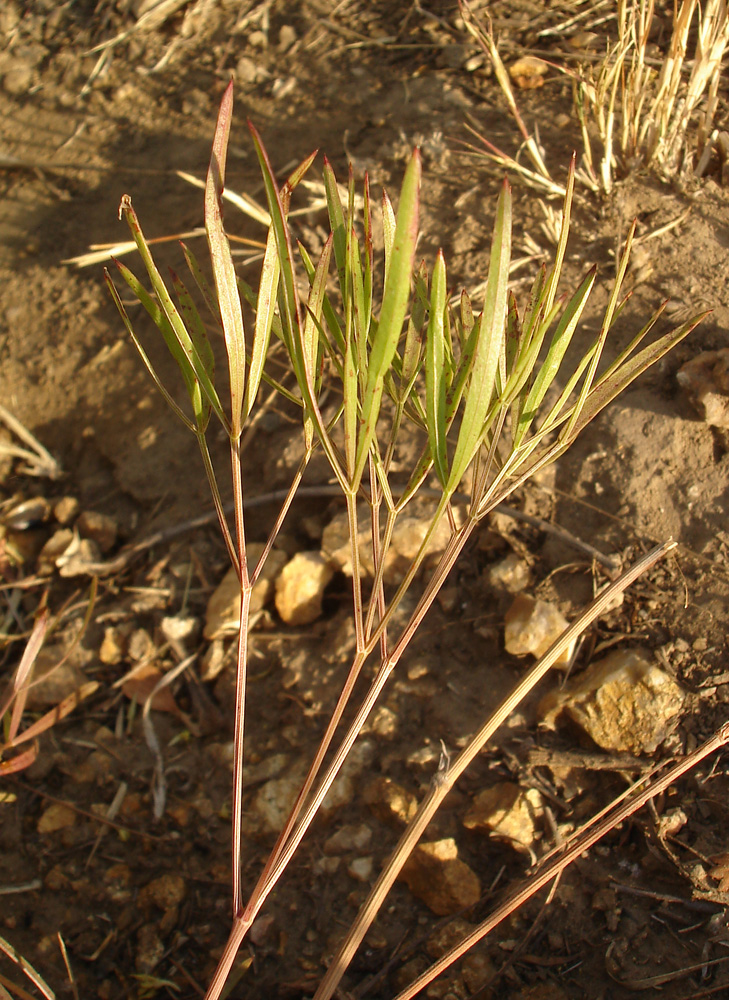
(39, 461)
(22, 963)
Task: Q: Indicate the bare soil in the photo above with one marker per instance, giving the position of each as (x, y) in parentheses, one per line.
(80, 127)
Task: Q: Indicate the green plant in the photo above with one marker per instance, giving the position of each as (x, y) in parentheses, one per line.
(476, 386)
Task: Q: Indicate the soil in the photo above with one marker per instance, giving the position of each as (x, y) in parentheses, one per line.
(143, 903)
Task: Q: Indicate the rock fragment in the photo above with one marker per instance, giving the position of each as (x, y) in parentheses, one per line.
(390, 802)
(58, 816)
(624, 702)
(436, 875)
(300, 588)
(223, 611)
(532, 626)
(508, 813)
(706, 381)
(510, 573)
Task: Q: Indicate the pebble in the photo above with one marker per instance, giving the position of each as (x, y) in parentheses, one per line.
(53, 680)
(55, 547)
(706, 381)
(300, 588)
(406, 541)
(111, 650)
(361, 869)
(436, 875)
(350, 837)
(532, 626)
(345, 785)
(390, 802)
(511, 573)
(79, 558)
(275, 800)
(223, 610)
(163, 892)
(57, 816)
(149, 949)
(66, 510)
(99, 528)
(507, 812)
(141, 645)
(624, 702)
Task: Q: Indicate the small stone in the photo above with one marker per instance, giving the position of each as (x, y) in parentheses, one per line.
(300, 588)
(275, 800)
(528, 72)
(326, 866)
(383, 722)
(350, 837)
(436, 875)
(18, 80)
(477, 970)
(361, 869)
(532, 626)
(223, 612)
(118, 883)
(624, 702)
(111, 650)
(141, 645)
(79, 559)
(164, 892)
(286, 37)
(345, 785)
(706, 381)
(508, 813)
(447, 936)
(390, 802)
(408, 536)
(57, 816)
(511, 573)
(66, 510)
(246, 70)
(55, 547)
(53, 678)
(179, 630)
(149, 949)
(99, 528)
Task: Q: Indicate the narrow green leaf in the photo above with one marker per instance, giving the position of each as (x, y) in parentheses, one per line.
(291, 311)
(333, 334)
(606, 324)
(231, 313)
(265, 311)
(169, 309)
(200, 405)
(202, 283)
(435, 380)
(317, 295)
(555, 272)
(143, 355)
(608, 388)
(488, 348)
(413, 349)
(561, 340)
(394, 306)
(337, 224)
